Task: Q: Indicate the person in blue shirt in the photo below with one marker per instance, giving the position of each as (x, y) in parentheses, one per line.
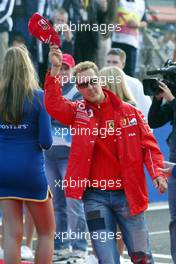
(25, 132)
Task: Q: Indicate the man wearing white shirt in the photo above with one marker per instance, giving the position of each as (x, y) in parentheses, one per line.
(117, 57)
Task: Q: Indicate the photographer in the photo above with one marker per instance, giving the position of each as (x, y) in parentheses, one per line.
(159, 114)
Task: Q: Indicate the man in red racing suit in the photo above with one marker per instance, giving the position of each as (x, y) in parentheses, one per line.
(111, 142)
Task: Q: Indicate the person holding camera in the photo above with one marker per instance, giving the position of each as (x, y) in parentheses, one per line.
(159, 114)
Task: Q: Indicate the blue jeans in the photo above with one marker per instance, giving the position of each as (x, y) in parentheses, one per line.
(104, 210)
(172, 208)
(69, 213)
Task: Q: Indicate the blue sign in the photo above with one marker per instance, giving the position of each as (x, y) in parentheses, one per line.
(161, 135)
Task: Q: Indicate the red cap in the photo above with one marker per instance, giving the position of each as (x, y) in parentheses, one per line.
(42, 29)
(68, 60)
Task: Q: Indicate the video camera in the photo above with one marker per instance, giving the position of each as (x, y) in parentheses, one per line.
(151, 86)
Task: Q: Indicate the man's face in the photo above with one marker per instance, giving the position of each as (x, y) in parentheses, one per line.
(115, 60)
(66, 74)
(88, 86)
(60, 19)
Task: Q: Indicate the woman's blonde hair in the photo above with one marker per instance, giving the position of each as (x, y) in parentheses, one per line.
(114, 79)
(17, 82)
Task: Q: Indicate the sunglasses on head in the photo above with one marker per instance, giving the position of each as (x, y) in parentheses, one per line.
(83, 85)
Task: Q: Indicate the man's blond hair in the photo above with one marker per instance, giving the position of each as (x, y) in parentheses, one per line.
(83, 66)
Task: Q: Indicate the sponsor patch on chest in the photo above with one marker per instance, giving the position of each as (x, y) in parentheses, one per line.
(110, 124)
(129, 121)
(83, 115)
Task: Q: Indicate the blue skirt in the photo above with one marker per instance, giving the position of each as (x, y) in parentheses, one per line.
(22, 172)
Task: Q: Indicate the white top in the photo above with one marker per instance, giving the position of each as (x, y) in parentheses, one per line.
(143, 102)
(125, 12)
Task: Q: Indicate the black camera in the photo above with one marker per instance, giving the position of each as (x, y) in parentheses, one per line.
(151, 86)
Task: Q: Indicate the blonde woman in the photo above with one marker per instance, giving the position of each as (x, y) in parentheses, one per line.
(113, 78)
(24, 134)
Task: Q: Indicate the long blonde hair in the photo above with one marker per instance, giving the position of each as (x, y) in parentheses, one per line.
(114, 79)
(17, 82)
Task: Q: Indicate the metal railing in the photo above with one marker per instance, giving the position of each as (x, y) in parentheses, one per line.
(161, 3)
(150, 55)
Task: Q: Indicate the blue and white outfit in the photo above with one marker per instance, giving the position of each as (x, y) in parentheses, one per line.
(22, 171)
(69, 213)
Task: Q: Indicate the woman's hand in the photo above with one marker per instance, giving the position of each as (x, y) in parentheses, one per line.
(168, 168)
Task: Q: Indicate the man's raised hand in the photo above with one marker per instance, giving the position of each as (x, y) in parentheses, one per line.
(55, 56)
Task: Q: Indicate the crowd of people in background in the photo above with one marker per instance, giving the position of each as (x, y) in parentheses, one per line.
(85, 44)
(114, 50)
(67, 16)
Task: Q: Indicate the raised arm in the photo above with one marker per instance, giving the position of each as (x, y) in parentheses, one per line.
(56, 105)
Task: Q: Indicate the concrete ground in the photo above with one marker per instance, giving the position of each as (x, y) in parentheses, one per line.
(157, 217)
